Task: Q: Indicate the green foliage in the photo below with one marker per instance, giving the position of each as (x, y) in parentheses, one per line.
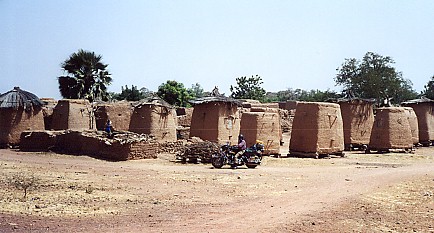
(318, 96)
(196, 91)
(174, 93)
(301, 95)
(87, 77)
(374, 77)
(248, 88)
(133, 94)
(428, 92)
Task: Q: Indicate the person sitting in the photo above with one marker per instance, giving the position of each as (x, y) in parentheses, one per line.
(242, 145)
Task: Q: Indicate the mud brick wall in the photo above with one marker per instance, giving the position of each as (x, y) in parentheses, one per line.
(216, 122)
(358, 119)
(119, 114)
(265, 105)
(182, 132)
(14, 121)
(425, 118)
(117, 151)
(144, 150)
(414, 126)
(69, 142)
(74, 115)
(288, 105)
(48, 110)
(317, 128)
(38, 140)
(184, 116)
(264, 126)
(156, 120)
(88, 143)
(263, 109)
(391, 129)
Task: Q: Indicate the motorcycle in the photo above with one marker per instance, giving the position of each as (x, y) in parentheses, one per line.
(251, 157)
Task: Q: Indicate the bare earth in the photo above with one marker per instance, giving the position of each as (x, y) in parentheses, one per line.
(359, 193)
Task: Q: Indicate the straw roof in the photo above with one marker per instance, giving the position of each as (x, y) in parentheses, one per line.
(422, 99)
(153, 101)
(353, 99)
(209, 99)
(18, 98)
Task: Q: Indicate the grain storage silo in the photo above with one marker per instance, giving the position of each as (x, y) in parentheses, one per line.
(414, 125)
(216, 119)
(358, 119)
(74, 114)
(391, 130)
(119, 114)
(424, 109)
(156, 118)
(317, 130)
(263, 126)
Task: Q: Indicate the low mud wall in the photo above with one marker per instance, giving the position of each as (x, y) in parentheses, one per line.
(94, 144)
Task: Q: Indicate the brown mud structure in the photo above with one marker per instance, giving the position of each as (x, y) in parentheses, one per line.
(317, 130)
(358, 119)
(391, 130)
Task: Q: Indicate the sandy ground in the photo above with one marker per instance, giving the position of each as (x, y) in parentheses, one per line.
(359, 193)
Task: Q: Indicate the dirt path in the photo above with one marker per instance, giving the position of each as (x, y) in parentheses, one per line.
(88, 195)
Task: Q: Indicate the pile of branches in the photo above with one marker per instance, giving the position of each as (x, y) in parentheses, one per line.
(199, 150)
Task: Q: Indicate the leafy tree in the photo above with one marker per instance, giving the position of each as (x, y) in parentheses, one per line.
(374, 77)
(174, 93)
(133, 94)
(302, 95)
(248, 88)
(428, 92)
(87, 77)
(318, 96)
(196, 91)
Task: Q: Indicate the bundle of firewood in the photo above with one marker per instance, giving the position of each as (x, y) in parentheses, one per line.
(199, 150)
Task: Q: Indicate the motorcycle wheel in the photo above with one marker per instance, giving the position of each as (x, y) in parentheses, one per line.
(251, 165)
(217, 162)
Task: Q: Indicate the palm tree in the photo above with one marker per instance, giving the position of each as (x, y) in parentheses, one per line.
(87, 77)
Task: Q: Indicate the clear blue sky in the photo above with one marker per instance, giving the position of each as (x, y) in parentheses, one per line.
(290, 44)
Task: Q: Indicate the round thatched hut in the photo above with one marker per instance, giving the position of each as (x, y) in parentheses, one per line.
(19, 111)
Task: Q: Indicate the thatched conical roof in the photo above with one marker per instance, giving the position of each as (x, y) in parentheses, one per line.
(18, 98)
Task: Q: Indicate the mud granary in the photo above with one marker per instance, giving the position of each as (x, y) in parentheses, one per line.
(391, 130)
(216, 119)
(424, 109)
(262, 124)
(358, 119)
(317, 130)
(154, 117)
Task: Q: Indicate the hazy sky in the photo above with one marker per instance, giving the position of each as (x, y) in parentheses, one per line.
(290, 44)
